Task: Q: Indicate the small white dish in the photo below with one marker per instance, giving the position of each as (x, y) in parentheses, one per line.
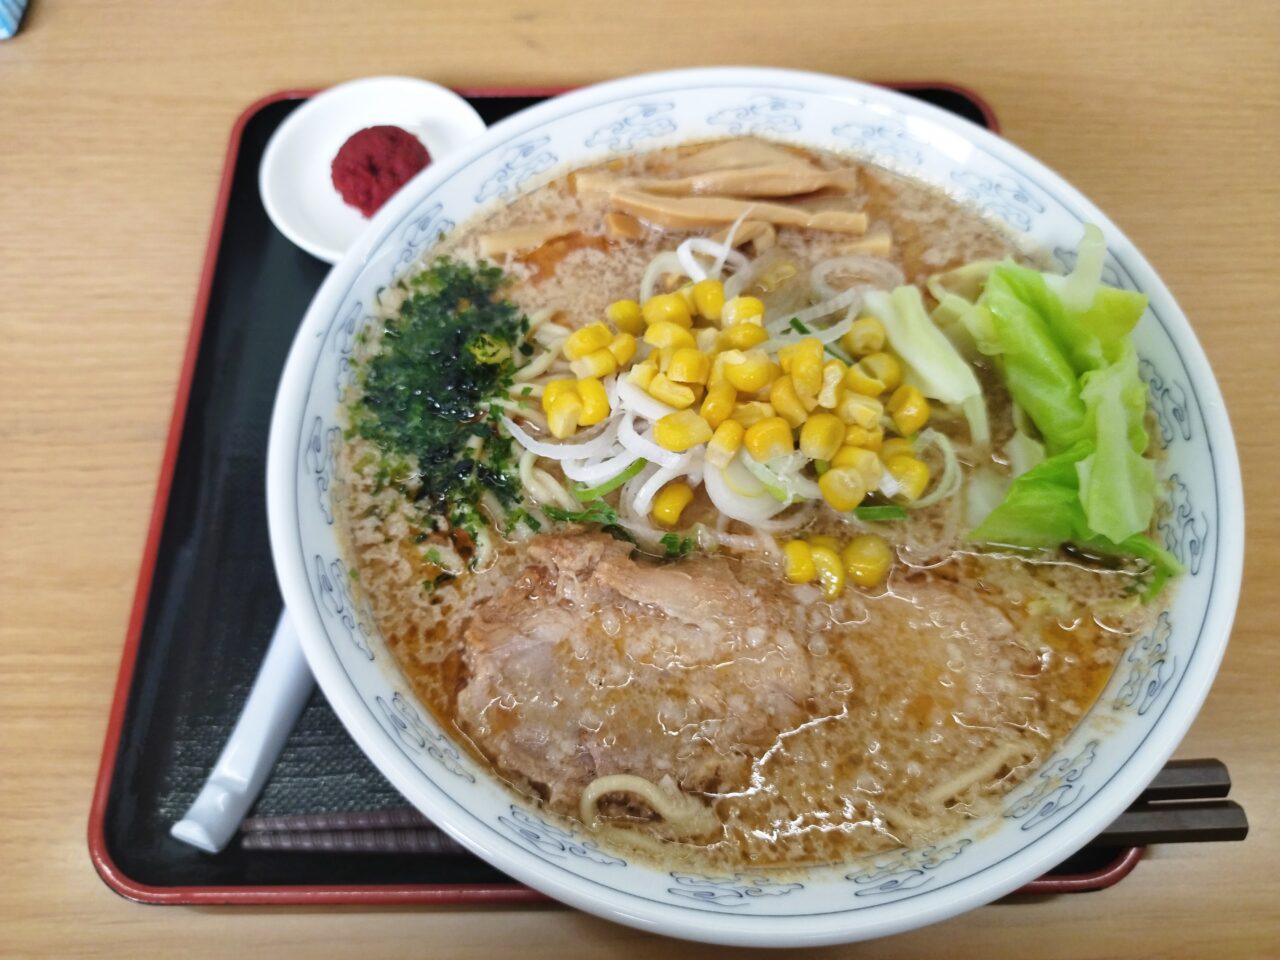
(294, 177)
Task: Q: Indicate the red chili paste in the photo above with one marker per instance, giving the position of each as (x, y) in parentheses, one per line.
(374, 163)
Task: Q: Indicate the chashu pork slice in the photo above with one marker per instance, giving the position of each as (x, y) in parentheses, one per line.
(594, 663)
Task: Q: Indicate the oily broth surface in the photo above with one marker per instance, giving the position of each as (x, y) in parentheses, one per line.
(898, 707)
(906, 704)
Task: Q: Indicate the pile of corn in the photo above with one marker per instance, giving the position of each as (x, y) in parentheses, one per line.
(854, 421)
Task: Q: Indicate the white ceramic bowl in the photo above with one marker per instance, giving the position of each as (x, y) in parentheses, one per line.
(1123, 741)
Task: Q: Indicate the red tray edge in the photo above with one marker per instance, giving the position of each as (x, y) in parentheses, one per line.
(511, 893)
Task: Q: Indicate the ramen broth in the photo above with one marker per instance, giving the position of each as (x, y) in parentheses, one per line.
(811, 729)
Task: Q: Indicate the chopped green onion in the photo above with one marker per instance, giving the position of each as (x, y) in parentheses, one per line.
(887, 511)
(678, 546)
(613, 483)
(595, 512)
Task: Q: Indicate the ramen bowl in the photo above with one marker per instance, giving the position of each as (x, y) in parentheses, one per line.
(1097, 771)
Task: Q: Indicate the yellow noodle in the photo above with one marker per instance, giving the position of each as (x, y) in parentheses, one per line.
(987, 768)
(679, 811)
(537, 366)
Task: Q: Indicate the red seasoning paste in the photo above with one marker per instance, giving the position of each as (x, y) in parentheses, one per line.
(374, 163)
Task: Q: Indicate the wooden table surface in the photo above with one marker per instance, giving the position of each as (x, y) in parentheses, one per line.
(113, 122)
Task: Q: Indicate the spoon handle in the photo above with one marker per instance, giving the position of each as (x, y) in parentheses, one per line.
(281, 690)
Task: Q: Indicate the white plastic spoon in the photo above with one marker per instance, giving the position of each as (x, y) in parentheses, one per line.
(283, 686)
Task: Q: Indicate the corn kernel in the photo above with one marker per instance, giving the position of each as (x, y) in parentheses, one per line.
(867, 559)
(685, 293)
(830, 570)
(821, 436)
(909, 409)
(671, 501)
(718, 406)
(752, 412)
(803, 360)
(788, 406)
(642, 375)
(562, 417)
(742, 310)
(822, 540)
(597, 363)
(842, 488)
(788, 353)
(883, 367)
(911, 473)
(664, 333)
(677, 395)
(595, 402)
(626, 316)
(856, 409)
(669, 307)
(860, 380)
(708, 299)
(867, 335)
(897, 447)
(707, 339)
(769, 438)
(588, 339)
(556, 389)
(623, 348)
(747, 371)
(689, 365)
(870, 439)
(742, 336)
(681, 430)
(724, 443)
(799, 567)
(865, 463)
(833, 374)
(717, 370)
(809, 400)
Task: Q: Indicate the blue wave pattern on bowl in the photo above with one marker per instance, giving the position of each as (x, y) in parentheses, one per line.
(1055, 787)
(1147, 667)
(890, 142)
(904, 869)
(555, 842)
(520, 163)
(640, 122)
(761, 115)
(403, 717)
(1004, 197)
(426, 228)
(1153, 666)
(730, 892)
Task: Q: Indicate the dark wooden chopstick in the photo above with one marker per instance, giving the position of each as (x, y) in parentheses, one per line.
(1189, 780)
(1183, 804)
(1190, 821)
